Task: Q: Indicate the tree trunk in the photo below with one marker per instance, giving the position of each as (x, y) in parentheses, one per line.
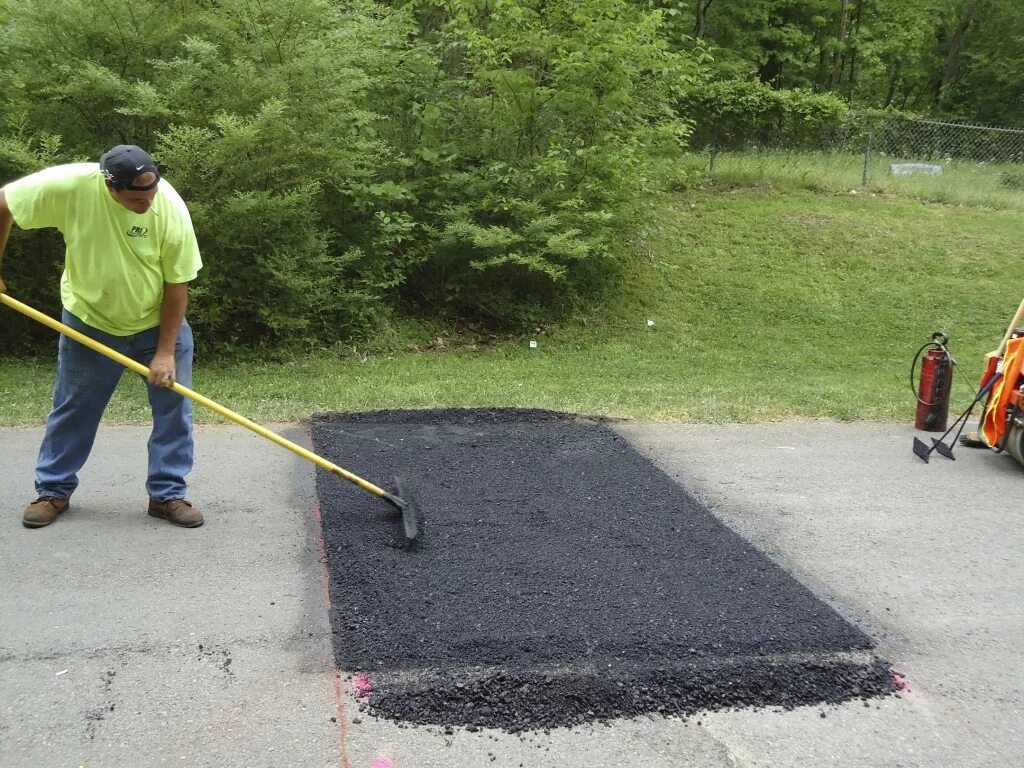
(853, 52)
(823, 72)
(702, 18)
(892, 88)
(953, 56)
(770, 72)
(851, 78)
(837, 61)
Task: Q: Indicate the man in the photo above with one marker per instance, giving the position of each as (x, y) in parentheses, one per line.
(130, 254)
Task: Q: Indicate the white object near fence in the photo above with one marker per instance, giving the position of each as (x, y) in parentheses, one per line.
(905, 169)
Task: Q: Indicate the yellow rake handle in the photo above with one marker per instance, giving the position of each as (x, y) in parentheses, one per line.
(1009, 332)
(127, 362)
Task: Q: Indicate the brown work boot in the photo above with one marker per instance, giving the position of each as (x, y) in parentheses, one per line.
(177, 511)
(43, 511)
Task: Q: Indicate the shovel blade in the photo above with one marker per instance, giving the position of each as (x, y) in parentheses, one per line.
(945, 450)
(921, 450)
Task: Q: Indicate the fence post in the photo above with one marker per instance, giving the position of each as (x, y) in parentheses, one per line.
(711, 165)
(867, 157)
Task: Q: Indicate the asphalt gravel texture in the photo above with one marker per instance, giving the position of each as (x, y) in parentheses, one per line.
(558, 578)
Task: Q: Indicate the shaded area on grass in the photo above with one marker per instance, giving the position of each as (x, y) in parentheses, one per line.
(559, 577)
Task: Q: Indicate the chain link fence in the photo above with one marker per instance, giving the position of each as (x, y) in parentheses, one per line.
(929, 159)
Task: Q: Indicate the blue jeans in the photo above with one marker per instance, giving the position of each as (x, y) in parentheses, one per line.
(86, 380)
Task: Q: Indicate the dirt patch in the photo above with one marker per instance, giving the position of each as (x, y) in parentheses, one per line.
(559, 577)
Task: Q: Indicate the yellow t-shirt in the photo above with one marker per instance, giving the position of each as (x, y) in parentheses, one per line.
(117, 261)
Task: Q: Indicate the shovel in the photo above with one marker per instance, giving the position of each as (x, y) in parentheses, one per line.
(403, 505)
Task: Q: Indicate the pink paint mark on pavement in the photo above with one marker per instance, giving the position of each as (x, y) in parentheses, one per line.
(382, 761)
(912, 695)
(362, 685)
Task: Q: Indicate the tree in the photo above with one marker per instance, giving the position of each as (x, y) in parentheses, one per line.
(951, 67)
(703, 6)
(533, 123)
(837, 59)
(945, 57)
(987, 85)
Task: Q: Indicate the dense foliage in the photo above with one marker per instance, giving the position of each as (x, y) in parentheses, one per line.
(476, 159)
(954, 58)
(470, 158)
(738, 113)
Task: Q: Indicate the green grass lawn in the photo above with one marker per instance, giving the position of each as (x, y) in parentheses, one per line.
(766, 305)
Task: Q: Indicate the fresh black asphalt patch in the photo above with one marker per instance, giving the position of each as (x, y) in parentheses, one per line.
(559, 577)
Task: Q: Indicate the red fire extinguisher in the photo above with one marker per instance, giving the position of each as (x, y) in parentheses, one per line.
(933, 389)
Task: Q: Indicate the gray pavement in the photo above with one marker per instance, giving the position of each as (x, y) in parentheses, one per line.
(126, 642)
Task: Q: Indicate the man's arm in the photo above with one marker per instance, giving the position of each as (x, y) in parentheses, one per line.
(172, 312)
(6, 220)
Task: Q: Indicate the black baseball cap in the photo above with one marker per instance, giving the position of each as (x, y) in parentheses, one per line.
(123, 164)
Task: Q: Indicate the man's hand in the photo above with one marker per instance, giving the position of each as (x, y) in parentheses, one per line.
(172, 313)
(3, 288)
(161, 370)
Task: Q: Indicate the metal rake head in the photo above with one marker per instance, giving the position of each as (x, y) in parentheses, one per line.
(943, 448)
(922, 450)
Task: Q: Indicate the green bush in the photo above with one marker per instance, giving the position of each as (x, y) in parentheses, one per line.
(259, 119)
(533, 127)
(36, 258)
(285, 178)
(471, 159)
(732, 114)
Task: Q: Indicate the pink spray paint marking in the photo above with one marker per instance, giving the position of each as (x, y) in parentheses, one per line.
(362, 685)
(901, 683)
(913, 696)
(382, 761)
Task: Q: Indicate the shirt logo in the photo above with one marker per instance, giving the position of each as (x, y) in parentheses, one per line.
(138, 232)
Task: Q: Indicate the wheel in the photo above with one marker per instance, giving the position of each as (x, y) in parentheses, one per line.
(1015, 442)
